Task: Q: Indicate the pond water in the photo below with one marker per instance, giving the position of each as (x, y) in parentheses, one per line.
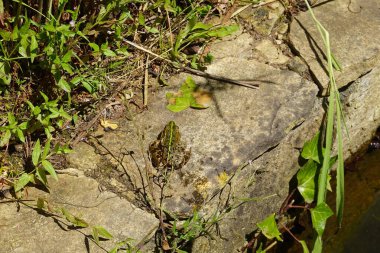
(360, 232)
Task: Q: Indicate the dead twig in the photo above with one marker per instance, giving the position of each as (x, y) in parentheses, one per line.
(247, 84)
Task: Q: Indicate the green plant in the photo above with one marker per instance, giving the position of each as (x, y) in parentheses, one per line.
(184, 98)
(40, 166)
(97, 232)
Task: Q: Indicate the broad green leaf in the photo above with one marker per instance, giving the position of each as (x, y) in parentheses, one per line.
(318, 245)
(94, 47)
(41, 175)
(23, 125)
(306, 180)
(152, 29)
(11, 119)
(223, 31)
(5, 138)
(78, 222)
(5, 75)
(141, 19)
(49, 168)
(21, 182)
(201, 26)
(109, 52)
(310, 149)
(319, 216)
(64, 85)
(67, 57)
(181, 104)
(67, 67)
(33, 48)
(269, 228)
(20, 135)
(46, 150)
(100, 232)
(36, 152)
(304, 246)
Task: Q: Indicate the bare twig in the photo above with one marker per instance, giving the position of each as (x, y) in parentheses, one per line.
(146, 81)
(247, 84)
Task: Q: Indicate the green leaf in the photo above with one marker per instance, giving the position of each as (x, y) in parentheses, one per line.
(94, 47)
(67, 57)
(319, 216)
(11, 119)
(141, 19)
(41, 175)
(223, 31)
(306, 180)
(201, 26)
(68, 68)
(5, 75)
(49, 168)
(310, 149)
(78, 222)
(269, 228)
(304, 246)
(46, 150)
(318, 245)
(100, 232)
(36, 152)
(20, 135)
(33, 48)
(108, 52)
(181, 104)
(21, 182)
(64, 85)
(23, 125)
(5, 138)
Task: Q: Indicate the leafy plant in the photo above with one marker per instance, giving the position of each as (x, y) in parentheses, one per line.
(41, 165)
(184, 98)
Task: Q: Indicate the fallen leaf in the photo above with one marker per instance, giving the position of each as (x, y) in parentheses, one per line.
(106, 124)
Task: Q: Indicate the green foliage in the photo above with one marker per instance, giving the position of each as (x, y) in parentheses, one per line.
(195, 30)
(306, 181)
(41, 165)
(184, 98)
(310, 149)
(269, 228)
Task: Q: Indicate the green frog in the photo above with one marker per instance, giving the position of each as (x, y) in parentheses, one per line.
(168, 151)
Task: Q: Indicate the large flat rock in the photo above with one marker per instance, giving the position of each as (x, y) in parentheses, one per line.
(240, 124)
(354, 34)
(26, 230)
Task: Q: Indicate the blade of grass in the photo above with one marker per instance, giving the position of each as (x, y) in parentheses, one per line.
(340, 169)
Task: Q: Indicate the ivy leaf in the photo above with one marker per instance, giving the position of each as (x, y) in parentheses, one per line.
(310, 149)
(269, 228)
(319, 216)
(306, 180)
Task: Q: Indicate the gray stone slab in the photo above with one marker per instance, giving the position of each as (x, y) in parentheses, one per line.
(354, 34)
(28, 231)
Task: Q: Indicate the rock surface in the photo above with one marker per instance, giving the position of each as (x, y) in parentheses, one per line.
(31, 231)
(254, 135)
(353, 26)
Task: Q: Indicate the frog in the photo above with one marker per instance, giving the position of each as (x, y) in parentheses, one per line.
(169, 151)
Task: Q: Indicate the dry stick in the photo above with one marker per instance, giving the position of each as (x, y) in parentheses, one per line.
(146, 81)
(247, 84)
